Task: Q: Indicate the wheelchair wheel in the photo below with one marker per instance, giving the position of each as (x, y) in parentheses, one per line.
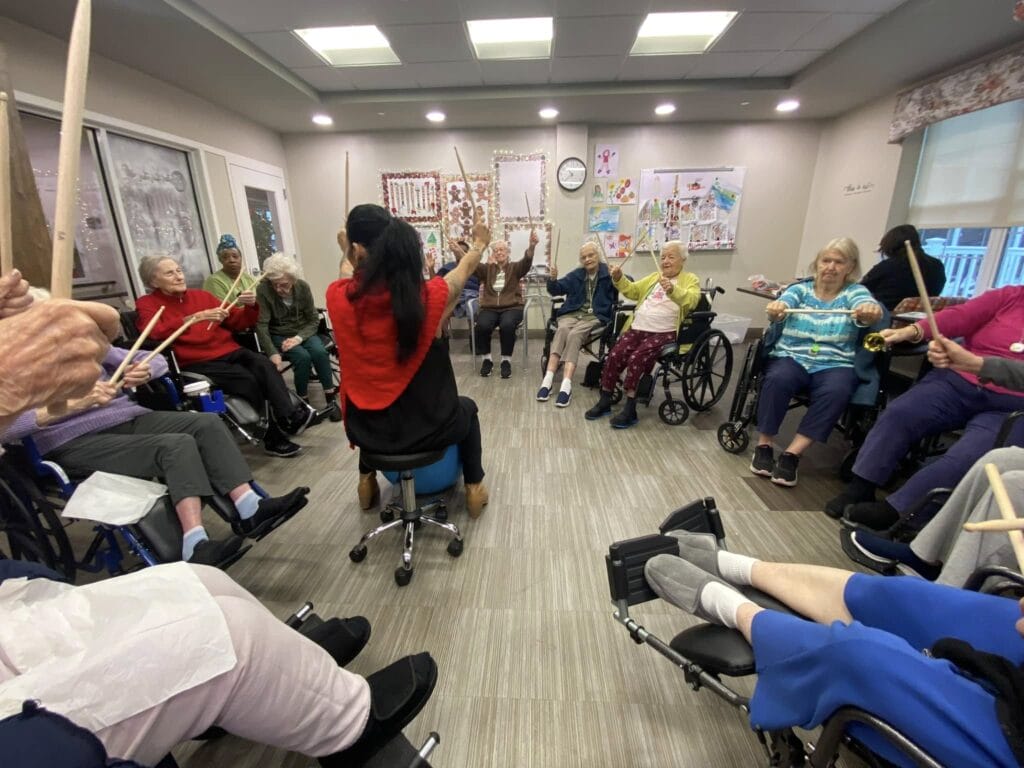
(706, 370)
(34, 529)
(673, 412)
(732, 438)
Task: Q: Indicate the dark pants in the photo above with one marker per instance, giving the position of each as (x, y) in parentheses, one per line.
(635, 352)
(506, 320)
(465, 434)
(249, 375)
(310, 354)
(941, 401)
(829, 390)
(192, 453)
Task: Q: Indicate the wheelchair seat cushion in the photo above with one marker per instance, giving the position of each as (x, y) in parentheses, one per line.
(401, 461)
(669, 350)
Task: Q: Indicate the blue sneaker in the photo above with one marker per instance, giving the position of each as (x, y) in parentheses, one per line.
(543, 394)
(562, 401)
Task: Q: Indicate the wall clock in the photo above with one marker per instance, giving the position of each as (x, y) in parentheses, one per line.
(572, 172)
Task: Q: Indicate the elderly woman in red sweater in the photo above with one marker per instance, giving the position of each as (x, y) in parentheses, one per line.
(208, 348)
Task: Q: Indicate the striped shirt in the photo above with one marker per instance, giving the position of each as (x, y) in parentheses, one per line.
(818, 342)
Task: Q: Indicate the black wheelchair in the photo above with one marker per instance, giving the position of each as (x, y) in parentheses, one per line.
(700, 360)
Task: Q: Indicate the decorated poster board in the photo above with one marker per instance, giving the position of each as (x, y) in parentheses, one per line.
(617, 245)
(699, 206)
(622, 192)
(516, 178)
(430, 239)
(518, 238)
(603, 218)
(412, 195)
(458, 213)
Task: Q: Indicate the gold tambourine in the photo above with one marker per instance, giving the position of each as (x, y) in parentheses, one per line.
(874, 342)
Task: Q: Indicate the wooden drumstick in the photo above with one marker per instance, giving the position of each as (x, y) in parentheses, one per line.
(168, 341)
(348, 200)
(818, 311)
(6, 248)
(529, 216)
(251, 288)
(998, 526)
(922, 290)
(469, 190)
(1006, 510)
(116, 378)
(230, 291)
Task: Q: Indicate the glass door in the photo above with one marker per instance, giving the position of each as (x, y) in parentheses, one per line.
(261, 204)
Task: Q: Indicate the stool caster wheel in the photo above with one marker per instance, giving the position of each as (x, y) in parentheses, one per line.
(402, 576)
(357, 554)
(454, 547)
(387, 515)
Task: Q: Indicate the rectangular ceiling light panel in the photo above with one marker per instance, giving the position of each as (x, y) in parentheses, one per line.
(679, 33)
(363, 46)
(512, 38)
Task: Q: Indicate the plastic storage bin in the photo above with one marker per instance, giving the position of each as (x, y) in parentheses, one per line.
(733, 326)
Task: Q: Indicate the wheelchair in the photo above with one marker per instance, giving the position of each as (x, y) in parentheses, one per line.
(706, 653)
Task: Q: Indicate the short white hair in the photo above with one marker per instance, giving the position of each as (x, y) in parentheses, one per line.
(279, 265)
(684, 251)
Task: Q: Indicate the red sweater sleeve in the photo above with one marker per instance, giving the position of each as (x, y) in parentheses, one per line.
(242, 318)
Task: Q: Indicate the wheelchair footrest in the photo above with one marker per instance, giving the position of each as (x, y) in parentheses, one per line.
(854, 553)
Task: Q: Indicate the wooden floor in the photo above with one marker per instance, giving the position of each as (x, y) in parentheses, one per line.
(533, 669)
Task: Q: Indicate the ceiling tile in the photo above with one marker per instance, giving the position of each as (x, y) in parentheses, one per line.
(788, 63)
(415, 43)
(767, 31)
(712, 65)
(515, 72)
(585, 69)
(832, 31)
(286, 48)
(566, 8)
(502, 9)
(272, 15)
(449, 74)
(657, 67)
(325, 78)
(596, 35)
(381, 78)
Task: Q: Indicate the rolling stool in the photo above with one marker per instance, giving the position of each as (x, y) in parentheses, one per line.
(408, 514)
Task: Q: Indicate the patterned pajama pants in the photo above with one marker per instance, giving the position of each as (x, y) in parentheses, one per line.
(635, 352)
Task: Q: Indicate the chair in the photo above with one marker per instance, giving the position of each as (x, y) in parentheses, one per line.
(408, 515)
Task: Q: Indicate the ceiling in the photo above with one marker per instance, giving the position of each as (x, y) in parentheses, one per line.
(833, 55)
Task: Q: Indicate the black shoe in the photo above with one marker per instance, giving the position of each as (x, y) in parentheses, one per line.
(273, 511)
(282, 448)
(763, 461)
(397, 694)
(785, 470)
(506, 369)
(301, 418)
(334, 414)
(602, 408)
(343, 639)
(856, 491)
(486, 367)
(214, 551)
(876, 515)
(624, 419)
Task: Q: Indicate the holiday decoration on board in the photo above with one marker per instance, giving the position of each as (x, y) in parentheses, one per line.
(458, 211)
(412, 195)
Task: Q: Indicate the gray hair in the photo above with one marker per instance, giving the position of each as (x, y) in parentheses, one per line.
(148, 265)
(279, 265)
(846, 248)
(597, 245)
(684, 251)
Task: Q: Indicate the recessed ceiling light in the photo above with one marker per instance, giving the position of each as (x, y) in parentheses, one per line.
(665, 109)
(436, 116)
(349, 46)
(512, 38)
(323, 119)
(744, 103)
(548, 113)
(675, 33)
(787, 105)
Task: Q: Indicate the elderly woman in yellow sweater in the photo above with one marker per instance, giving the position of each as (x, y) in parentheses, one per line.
(663, 299)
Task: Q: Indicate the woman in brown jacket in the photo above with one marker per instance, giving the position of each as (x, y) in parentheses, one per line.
(501, 303)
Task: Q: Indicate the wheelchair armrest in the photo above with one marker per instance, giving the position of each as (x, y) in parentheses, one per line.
(976, 581)
(668, 350)
(707, 316)
(834, 731)
(1003, 438)
(625, 563)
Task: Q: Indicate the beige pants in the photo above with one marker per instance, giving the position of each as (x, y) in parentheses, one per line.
(572, 333)
(284, 691)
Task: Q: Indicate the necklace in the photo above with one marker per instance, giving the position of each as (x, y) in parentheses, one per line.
(1018, 346)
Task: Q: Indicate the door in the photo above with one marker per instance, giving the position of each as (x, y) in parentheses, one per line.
(261, 204)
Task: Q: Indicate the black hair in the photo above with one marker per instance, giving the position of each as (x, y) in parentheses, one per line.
(892, 242)
(394, 259)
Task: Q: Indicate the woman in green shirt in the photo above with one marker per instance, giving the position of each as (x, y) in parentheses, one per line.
(231, 264)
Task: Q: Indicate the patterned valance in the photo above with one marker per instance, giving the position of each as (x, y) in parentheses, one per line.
(983, 85)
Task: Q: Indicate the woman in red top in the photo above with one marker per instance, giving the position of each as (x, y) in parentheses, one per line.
(208, 347)
(398, 391)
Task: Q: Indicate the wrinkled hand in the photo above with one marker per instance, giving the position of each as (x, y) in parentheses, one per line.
(102, 393)
(277, 360)
(553, 272)
(943, 353)
(136, 374)
(480, 235)
(867, 313)
(616, 273)
(898, 335)
(290, 343)
(215, 315)
(666, 286)
(51, 352)
(534, 239)
(776, 310)
(14, 295)
(248, 298)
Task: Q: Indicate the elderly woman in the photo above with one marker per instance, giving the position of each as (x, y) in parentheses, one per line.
(288, 326)
(944, 399)
(208, 348)
(589, 302)
(398, 391)
(813, 353)
(231, 265)
(891, 280)
(663, 299)
(501, 303)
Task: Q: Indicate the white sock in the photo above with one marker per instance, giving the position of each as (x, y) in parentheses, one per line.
(190, 539)
(566, 386)
(721, 603)
(735, 568)
(488, 357)
(248, 504)
(506, 358)
(549, 379)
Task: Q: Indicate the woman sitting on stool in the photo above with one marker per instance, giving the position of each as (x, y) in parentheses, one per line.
(501, 303)
(398, 392)
(814, 353)
(590, 298)
(663, 299)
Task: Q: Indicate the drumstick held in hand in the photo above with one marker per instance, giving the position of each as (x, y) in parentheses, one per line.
(818, 311)
(469, 189)
(252, 287)
(529, 216)
(922, 290)
(168, 341)
(1006, 510)
(116, 378)
(230, 291)
(6, 248)
(997, 526)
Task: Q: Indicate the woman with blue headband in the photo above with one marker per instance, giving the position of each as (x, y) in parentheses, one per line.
(231, 264)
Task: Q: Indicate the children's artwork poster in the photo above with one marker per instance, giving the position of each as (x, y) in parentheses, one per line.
(603, 218)
(458, 213)
(617, 245)
(699, 206)
(412, 195)
(600, 194)
(622, 192)
(430, 239)
(606, 161)
(518, 178)
(518, 238)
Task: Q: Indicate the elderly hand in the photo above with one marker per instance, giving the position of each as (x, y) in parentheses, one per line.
(137, 374)
(102, 393)
(215, 315)
(899, 335)
(51, 352)
(776, 310)
(290, 343)
(248, 298)
(616, 273)
(666, 285)
(14, 295)
(534, 239)
(943, 353)
(867, 313)
(277, 360)
(480, 235)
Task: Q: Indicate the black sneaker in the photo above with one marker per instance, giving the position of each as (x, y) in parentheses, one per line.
(301, 418)
(624, 419)
(602, 408)
(506, 369)
(273, 511)
(343, 639)
(876, 515)
(486, 368)
(214, 551)
(836, 506)
(785, 470)
(763, 461)
(283, 448)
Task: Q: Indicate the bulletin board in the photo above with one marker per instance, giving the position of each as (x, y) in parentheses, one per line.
(458, 213)
(518, 238)
(700, 206)
(518, 177)
(412, 195)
